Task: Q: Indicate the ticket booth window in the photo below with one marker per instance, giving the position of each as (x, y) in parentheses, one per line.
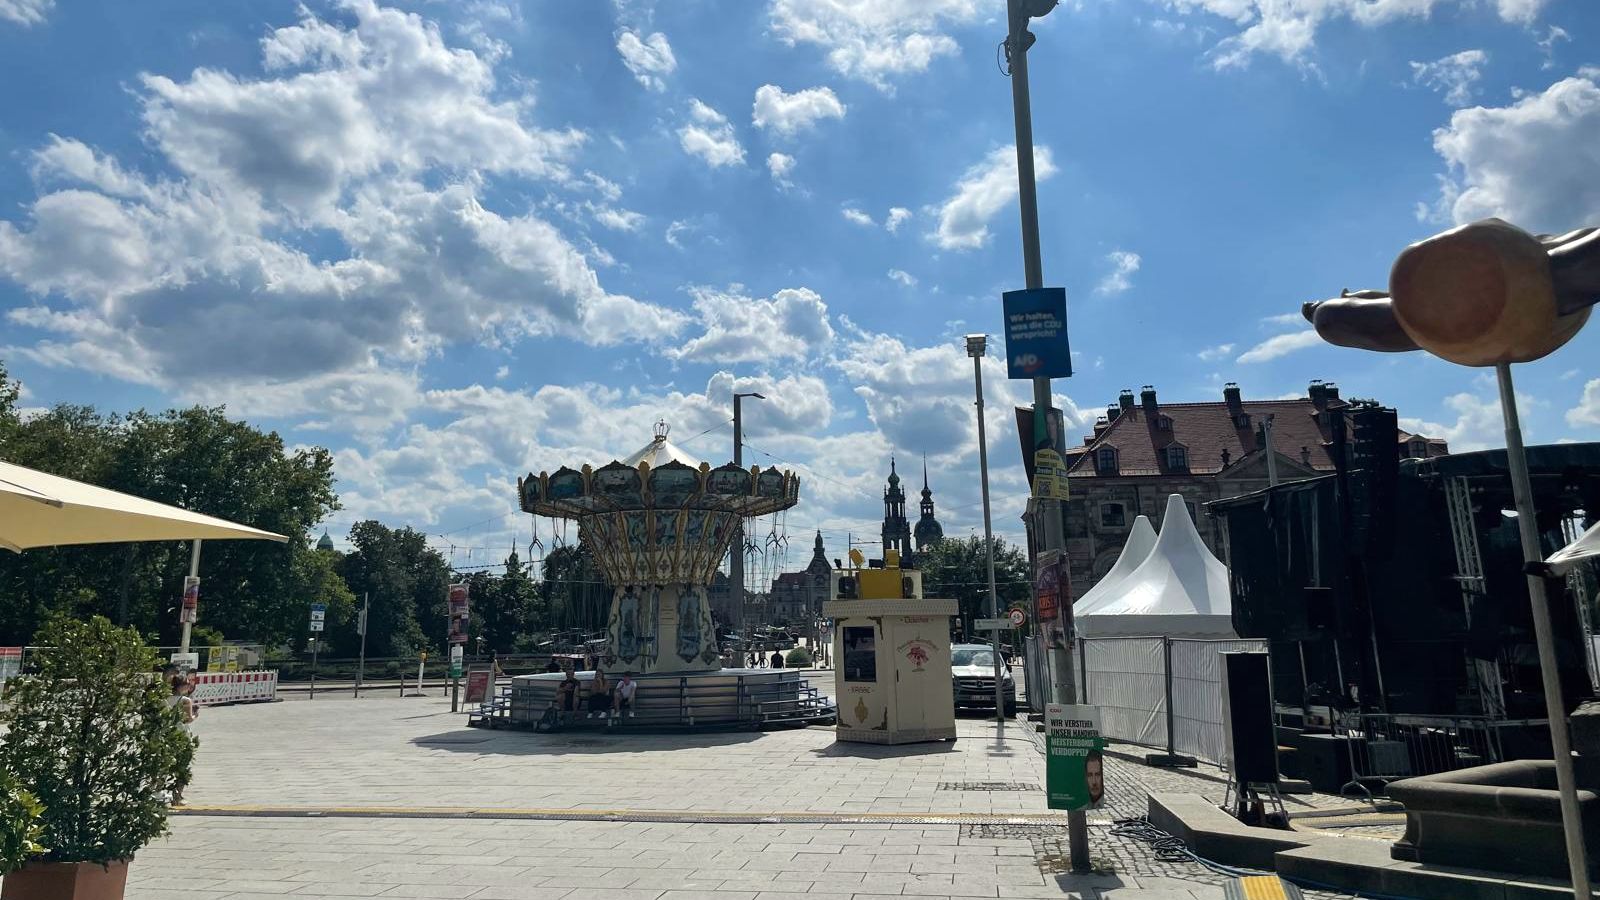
(860, 654)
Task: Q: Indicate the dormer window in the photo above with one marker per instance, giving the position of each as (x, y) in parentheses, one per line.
(1419, 449)
(1105, 461)
(1178, 458)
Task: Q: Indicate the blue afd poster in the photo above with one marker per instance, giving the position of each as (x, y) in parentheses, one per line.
(1036, 334)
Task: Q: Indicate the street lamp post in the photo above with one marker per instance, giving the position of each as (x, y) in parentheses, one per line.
(1018, 39)
(736, 557)
(975, 347)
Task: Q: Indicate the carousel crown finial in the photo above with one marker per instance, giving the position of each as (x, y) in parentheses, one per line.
(661, 429)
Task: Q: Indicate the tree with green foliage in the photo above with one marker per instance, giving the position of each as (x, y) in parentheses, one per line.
(506, 606)
(90, 735)
(198, 459)
(958, 569)
(406, 581)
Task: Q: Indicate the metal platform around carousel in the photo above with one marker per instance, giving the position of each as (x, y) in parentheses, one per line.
(726, 700)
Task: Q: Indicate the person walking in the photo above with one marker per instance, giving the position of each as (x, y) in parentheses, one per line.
(777, 659)
(182, 699)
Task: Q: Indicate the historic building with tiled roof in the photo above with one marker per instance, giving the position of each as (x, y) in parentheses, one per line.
(1142, 450)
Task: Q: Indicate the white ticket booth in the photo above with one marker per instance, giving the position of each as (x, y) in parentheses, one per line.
(892, 677)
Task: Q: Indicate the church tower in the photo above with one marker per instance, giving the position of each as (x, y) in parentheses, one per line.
(896, 530)
(929, 531)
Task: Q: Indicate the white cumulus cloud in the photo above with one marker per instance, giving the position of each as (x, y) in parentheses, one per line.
(1455, 75)
(649, 58)
(788, 114)
(981, 193)
(1212, 354)
(1280, 345)
(781, 165)
(1587, 412)
(903, 277)
(1532, 162)
(709, 136)
(877, 40)
(898, 215)
(857, 217)
(26, 12)
(792, 324)
(1123, 264)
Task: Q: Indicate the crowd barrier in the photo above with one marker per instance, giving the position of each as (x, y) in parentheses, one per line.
(1132, 679)
(215, 688)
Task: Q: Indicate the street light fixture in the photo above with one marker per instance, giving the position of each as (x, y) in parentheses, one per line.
(736, 557)
(976, 344)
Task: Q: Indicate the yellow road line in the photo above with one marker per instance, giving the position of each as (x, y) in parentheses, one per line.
(268, 811)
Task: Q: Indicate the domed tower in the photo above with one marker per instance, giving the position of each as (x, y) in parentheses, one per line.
(929, 531)
(326, 543)
(896, 530)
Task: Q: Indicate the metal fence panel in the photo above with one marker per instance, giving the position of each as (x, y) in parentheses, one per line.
(1197, 696)
(1126, 679)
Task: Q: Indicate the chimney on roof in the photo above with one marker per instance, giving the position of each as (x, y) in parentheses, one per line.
(1305, 454)
(1100, 426)
(1147, 402)
(1226, 456)
(1330, 393)
(1318, 392)
(1230, 393)
(1126, 400)
(1112, 412)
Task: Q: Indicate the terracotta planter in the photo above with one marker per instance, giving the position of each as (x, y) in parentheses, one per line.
(66, 881)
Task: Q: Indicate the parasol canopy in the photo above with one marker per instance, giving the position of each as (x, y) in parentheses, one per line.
(1586, 547)
(42, 510)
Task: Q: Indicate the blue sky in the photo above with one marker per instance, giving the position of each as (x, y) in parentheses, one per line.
(455, 242)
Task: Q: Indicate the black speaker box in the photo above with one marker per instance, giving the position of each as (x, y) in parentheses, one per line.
(1247, 718)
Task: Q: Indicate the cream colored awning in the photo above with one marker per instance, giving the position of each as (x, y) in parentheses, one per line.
(42, 510)
(1585, 548)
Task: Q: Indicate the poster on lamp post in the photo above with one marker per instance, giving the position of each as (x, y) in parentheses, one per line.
(190, 609)
(458, 613)
(1075, 767)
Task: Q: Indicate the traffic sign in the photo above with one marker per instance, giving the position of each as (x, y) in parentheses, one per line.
(992, 624)
(318, 615)
(316, 624)
(1018, 617)
(318, 608)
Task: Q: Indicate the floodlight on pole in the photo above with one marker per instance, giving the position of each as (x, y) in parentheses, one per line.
(976, 345)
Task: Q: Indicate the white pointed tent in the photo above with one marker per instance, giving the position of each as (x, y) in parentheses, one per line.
(1179, 590)
(1586, 547)
(1141, 540)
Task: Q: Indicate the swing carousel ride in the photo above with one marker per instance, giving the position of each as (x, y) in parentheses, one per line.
(659, 523)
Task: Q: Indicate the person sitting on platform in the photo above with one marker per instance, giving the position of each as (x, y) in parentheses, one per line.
(599, 696)
(625, 690)
(552, 666)
(567, 696)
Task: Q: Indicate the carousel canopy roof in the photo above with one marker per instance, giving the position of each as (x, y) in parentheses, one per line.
(659, 452)
(659, 476)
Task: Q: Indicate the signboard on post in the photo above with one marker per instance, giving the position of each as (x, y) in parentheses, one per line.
(1050, 589)
(1036, 333)
(457, 654)
(458, 614)
(1074, 767)
(1018, 617)
(190, 609)
(1049, 476)
(477, 685)
(992, 624)
(319, 612)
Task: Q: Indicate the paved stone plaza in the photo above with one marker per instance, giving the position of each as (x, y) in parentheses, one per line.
(390, 797)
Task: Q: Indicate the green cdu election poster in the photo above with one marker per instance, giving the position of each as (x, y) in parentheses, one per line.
(1074, 769)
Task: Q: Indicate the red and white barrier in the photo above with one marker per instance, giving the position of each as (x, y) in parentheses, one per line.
(215, 688)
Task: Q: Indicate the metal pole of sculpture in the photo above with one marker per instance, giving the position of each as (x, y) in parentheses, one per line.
(1490, 294)
(736, 555)
(1018, 40)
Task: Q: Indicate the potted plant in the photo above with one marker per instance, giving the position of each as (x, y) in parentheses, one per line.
(92, 738)
(19, 825)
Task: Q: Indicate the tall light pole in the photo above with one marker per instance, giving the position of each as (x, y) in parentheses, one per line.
(1048, 521)
(736, 557)
(975, 347)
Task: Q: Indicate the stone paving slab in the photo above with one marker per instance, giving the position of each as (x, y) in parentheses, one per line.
(390, 756)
